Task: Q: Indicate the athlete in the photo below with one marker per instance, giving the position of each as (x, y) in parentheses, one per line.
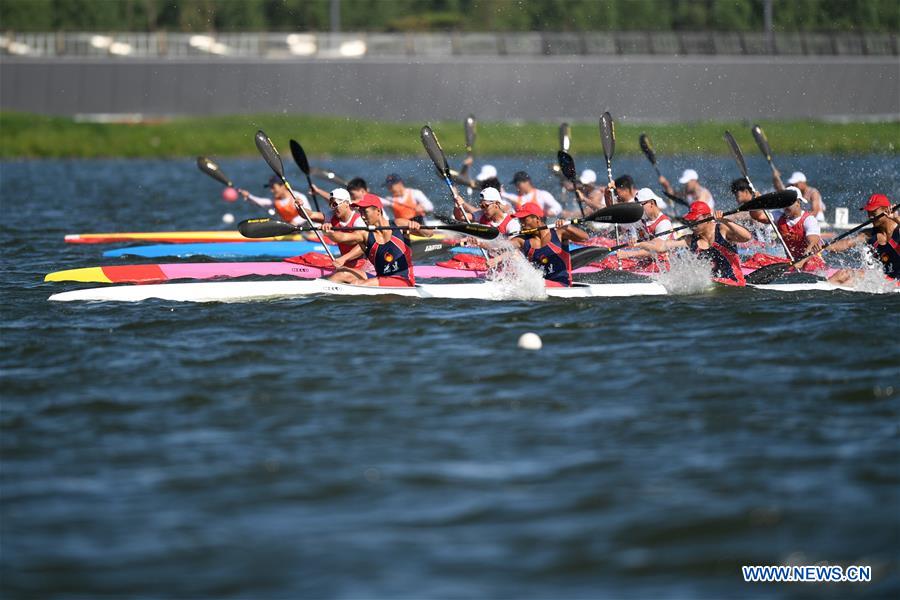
(693, 191)
(388, 250)
(654, 225)
(492, 211)
(350, 266)
(712, 240)
(883, 239)
(799, 230)
(547, 249)
(282, 200)
(811, 194)
(407, 203)
(526, 193)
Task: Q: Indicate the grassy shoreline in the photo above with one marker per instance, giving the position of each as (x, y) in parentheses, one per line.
(25, 135)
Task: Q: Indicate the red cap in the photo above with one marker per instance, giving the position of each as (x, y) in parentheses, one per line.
(877, 201)
(368, 200)
(698, 210)
(529, 208)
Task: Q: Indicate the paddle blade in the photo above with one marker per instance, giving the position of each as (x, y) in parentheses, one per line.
(762, 142)
(433, 148)
(469, 125)
(625, 212)
(485, 232)
(565, 137)
(608, 135)
(263, 228)
(299, 156)
(582, 257)
(213, 170)
(768, 273)
(566, 165)
(771, 201)
(269, 153)
(736, 152)
(647, 149)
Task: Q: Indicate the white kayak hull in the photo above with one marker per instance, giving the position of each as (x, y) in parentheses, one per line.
(238, 291)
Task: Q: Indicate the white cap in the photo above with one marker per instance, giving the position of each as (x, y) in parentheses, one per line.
(588, 176)
(798, 192)
(340, 194)
(490, 194)
(486, 172)
(797, 177)
(646, 195)
(688, 175)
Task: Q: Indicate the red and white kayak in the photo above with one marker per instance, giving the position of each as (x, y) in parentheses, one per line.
(172, 237)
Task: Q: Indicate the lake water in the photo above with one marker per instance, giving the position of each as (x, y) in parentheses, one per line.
(339, 447)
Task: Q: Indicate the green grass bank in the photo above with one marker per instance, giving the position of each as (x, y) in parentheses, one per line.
(35, 136)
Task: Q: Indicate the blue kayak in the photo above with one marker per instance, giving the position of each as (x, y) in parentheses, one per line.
(228, 250)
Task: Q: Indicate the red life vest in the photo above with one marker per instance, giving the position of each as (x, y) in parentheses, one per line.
(485, 220)
(355, 220)
(286, 209)
(405, 207)
(795, 239)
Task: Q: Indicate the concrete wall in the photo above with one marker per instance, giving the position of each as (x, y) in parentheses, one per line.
(543, 88)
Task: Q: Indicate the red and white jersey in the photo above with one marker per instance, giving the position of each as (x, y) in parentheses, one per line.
(508, 225)
(796, 231)
(542, 198)
(354, 221)
(660, 225)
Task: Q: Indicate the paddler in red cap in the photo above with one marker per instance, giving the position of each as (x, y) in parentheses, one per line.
(713, 240)
(547, 249)
(800, 231)
(388, 250)
(883, 238)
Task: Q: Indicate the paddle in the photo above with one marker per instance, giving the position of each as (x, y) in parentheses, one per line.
(608, 141)
(263, 228)
(647, 149)
(469, 125)
(213, 170)
(772, 272)
(273, 159)
(565, 137)
(436, 153)
(302, 162)
(328, 176)
(567, 166)
(763, 144)
(739, 159)
(626, 212)
(773, 200)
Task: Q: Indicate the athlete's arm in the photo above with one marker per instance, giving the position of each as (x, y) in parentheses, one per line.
(414, 227)
(263, 202)
(344, 237)
(733, 231)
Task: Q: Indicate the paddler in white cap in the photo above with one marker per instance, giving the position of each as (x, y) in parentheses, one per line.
(809, 193)
(492, 211)
(655, 223)
(800, 231)
(693, 191)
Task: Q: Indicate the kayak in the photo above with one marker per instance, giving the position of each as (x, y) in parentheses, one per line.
(237, 291)
(175, 237)
(158, 273)
(247, 249)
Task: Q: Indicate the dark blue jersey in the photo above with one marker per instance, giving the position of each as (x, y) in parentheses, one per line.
(553, 259)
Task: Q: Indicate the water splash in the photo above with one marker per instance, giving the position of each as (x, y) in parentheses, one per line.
(517, 278)
(688, 274)
(871, 278)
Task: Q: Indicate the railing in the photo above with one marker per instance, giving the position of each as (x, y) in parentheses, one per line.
(359, 45)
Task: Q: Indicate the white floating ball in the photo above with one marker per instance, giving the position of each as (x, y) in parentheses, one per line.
(228, 218)
(530, 341)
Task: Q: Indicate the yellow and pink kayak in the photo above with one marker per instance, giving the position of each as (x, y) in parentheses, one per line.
(172, 237)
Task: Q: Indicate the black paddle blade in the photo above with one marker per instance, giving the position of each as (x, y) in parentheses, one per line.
(484, 232)
(582, 257)
(565, 137)
(433, 148)
(299, 156)
(762, 142)
(768, 273)
(771, 201)
(212, 169)
(647, 149)
(608, 135)
(736, 152)
(469, 124)
(263, 228)
(625, 212)
(269, 153)
(566, 165)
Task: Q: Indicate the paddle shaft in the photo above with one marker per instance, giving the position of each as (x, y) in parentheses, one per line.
(847, 234)
(607, 137)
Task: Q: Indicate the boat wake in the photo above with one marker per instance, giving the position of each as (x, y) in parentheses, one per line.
(687, 274)
(516, 278)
